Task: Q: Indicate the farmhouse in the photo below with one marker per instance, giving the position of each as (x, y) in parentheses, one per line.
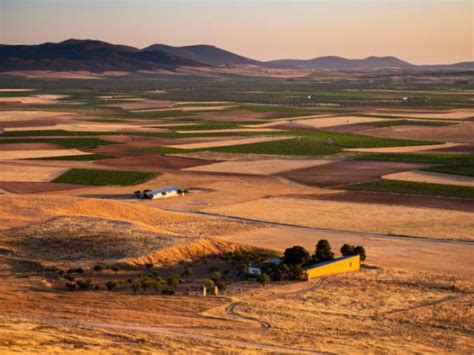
(336, 266)
(159, 193)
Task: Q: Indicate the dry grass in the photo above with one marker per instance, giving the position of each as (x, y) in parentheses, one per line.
(432, 178)
(422, 222)
(338, 121)
(34, 99)
(409, 149)
(25, 173)
(457, 114)
(41, 153)
(11, 116)
(259, 167)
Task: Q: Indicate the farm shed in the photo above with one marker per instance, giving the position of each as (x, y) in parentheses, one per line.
(160, 193)
(336, 266)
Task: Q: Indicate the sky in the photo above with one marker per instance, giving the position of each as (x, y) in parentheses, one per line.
(419, 31)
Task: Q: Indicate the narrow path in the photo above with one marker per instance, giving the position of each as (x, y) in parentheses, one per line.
(230, 310)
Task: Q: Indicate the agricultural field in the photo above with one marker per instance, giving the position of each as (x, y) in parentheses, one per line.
(263, 161)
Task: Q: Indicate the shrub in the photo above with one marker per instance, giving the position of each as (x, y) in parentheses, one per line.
(146, 282)
(347, 250)
(96, 287)
(135, 285)
(69, 277)
(148, 266)
(158, 284)
(115, 268)
(323, 252)
(173, 281)
(111, 285)
(221, 285)
(209, 285)
(79, 270)
(168, 291)
(359, 250)
(84, 284)
(187, 271)
(263, 279)
(70, 286)
(216, 275)
(98, 268)
(297, 272)
(296, 255)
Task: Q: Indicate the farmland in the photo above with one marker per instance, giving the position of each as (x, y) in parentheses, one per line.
(376, 159)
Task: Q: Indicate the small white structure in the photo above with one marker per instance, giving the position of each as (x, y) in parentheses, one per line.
(159, 193)
(254, 271)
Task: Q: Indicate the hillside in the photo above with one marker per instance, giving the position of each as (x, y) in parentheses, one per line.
(204, 54)
(95, 56)
(333, 62)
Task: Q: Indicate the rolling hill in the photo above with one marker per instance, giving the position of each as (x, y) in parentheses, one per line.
(204, 54)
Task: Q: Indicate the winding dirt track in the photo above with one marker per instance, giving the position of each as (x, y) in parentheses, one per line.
(230, 310)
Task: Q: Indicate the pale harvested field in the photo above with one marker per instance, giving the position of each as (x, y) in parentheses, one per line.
(413, 254)
(377, 218)
(142, 104)
(8, 116)
(34, 99)
(432, 178)
(27, 173)
(458, 114)
(15, 90)
(205, 108)
(408, 149)
(235, 130)
(338, 121)
(90, 127)
(259, 167)
(460, 133)
(229, 142)
(43, 153)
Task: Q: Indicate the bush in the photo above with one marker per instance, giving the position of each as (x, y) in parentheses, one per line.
(98, 268)
(84, 284)
(221, 285)
(70, 286)
(115, 268)
(168, 291)
(187, 271)
(323, 252)
(296, 255)
(263, 279)
(347, 250)
(79, 270)
(158, 284)
(173, 281)
(69, 277)
(135, 285)
(209, 285)
(359, 250)
(148, 266)
(111, 285)
(146, 282)
(216, 276)
(297, 272)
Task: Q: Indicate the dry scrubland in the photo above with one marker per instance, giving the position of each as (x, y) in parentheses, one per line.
(414, 295)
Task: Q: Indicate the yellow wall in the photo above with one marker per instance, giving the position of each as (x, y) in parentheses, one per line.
(339, 266)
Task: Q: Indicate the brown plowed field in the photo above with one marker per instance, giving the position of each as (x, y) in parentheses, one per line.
(36, 187)
(394, 199)
(234, 116)
(347, 172)
(153, 162)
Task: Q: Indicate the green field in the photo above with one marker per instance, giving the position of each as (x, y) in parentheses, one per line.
(104, 177)
(428, 158)
(415, 188)
(403, 122)
(455, 170)
(66, 142)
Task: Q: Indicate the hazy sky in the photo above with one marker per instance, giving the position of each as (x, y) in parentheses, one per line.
(420, 31)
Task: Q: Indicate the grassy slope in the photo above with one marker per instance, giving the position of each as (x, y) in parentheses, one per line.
(104, 177)
(66, 142)
(417, 188)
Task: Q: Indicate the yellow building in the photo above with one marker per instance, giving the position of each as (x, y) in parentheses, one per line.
(336, 266)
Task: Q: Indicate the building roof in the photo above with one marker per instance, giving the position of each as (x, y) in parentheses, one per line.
(329, 261)
(159, 191)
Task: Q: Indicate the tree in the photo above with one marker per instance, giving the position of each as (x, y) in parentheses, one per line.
(70, 286)
(347, 250)
(323, 251)
(146, 282)
(135, 286)
(359, 250)
(221, 285)
(297, 272)
(174, 281)
(97, 268)
(296, 255)
(115, 268)
(209, 285)
(263, 279)
(111, 285)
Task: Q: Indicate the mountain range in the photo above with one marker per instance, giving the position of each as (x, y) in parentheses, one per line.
(98, 56)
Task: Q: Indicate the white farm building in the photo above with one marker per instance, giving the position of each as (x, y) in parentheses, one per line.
(159, 193)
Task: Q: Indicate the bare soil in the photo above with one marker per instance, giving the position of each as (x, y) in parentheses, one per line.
(346, 172)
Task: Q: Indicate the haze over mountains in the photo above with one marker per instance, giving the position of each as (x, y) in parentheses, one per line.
(98, 56)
